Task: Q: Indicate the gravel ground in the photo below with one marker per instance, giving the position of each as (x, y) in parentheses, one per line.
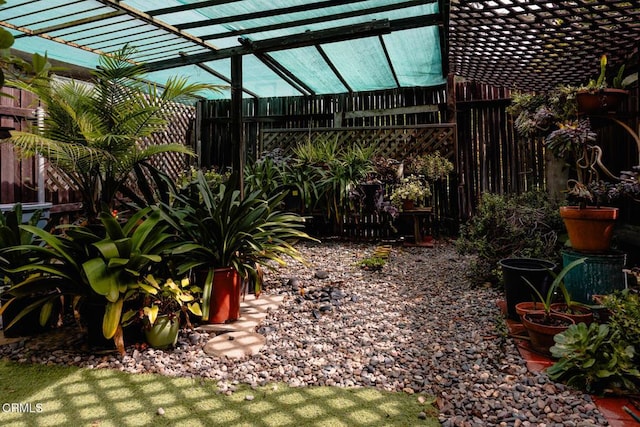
(417, 326)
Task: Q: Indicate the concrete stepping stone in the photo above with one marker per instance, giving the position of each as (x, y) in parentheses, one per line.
(238, 339)
(235, 344)
(252, 312)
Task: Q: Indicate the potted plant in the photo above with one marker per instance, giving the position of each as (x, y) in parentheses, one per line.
(411, 191)
(543, 324)
(597, 96)
(164, 304)
(577, 311)
(227, 239)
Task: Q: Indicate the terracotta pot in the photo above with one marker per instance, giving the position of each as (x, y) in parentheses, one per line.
(542, 335)
(579, 314)
(600, 101)
(224, 305)
(526, 307)
(408, 205)
(590, 229)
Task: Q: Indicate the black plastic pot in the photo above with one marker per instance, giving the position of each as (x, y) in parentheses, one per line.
(514, 271)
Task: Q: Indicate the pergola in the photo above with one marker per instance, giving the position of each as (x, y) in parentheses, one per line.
(298, 47)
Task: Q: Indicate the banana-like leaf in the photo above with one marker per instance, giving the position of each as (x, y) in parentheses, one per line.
(45, 312)
(102, 281)
(151, 313)
(111, 320)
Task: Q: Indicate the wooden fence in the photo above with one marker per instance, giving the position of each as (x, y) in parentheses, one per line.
(490, 157)
(19, 176)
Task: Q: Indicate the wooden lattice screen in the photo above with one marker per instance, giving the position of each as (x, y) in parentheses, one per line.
(392, 142)
(396, 142)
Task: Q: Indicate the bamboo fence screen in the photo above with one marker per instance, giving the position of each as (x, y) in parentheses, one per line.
(489, 156)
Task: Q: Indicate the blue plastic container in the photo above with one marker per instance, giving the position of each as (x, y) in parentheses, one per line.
(601, 274)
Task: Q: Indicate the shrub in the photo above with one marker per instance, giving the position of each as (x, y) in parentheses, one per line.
(596, 359)
(525, 225)
(602, 359)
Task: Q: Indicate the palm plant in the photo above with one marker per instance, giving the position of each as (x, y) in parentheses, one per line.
(93, 133)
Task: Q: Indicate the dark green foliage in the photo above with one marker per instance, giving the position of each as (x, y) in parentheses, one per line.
(596, 359)
(604, 358)
(525, 225)
(625, 315)
(12, 235)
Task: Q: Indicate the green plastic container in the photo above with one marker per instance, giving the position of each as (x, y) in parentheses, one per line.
(601, 274)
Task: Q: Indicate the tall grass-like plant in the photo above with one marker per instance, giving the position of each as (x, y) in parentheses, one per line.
(336, 170)
(93, 133)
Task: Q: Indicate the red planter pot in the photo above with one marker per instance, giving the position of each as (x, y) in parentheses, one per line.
(525, 307)
(580, 314)
(541, 335)
(600, 101)
(224, 305)
(590, 229)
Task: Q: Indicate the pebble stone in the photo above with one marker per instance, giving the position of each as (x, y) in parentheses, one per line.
(418, 326)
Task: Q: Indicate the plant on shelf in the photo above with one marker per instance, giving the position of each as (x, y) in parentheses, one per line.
(410, 189)
(432, 166)
(94, 134)
(601, 95)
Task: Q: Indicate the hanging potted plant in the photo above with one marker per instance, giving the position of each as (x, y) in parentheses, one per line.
(597, 97)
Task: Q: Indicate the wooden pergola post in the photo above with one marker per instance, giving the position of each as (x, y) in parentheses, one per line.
(237, 133)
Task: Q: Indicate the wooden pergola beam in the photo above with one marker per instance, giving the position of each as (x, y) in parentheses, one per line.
(348, 32)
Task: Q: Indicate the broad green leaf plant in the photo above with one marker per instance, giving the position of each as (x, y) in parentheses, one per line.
(596, 359)
(94, 133)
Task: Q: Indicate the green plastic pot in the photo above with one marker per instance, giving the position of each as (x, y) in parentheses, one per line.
(163, 333)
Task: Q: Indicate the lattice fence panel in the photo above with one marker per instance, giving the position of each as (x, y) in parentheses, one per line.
(392, 142)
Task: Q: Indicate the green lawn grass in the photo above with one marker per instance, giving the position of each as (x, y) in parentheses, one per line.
(38, 395)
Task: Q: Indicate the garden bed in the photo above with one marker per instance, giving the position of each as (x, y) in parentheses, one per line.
(416, 326)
